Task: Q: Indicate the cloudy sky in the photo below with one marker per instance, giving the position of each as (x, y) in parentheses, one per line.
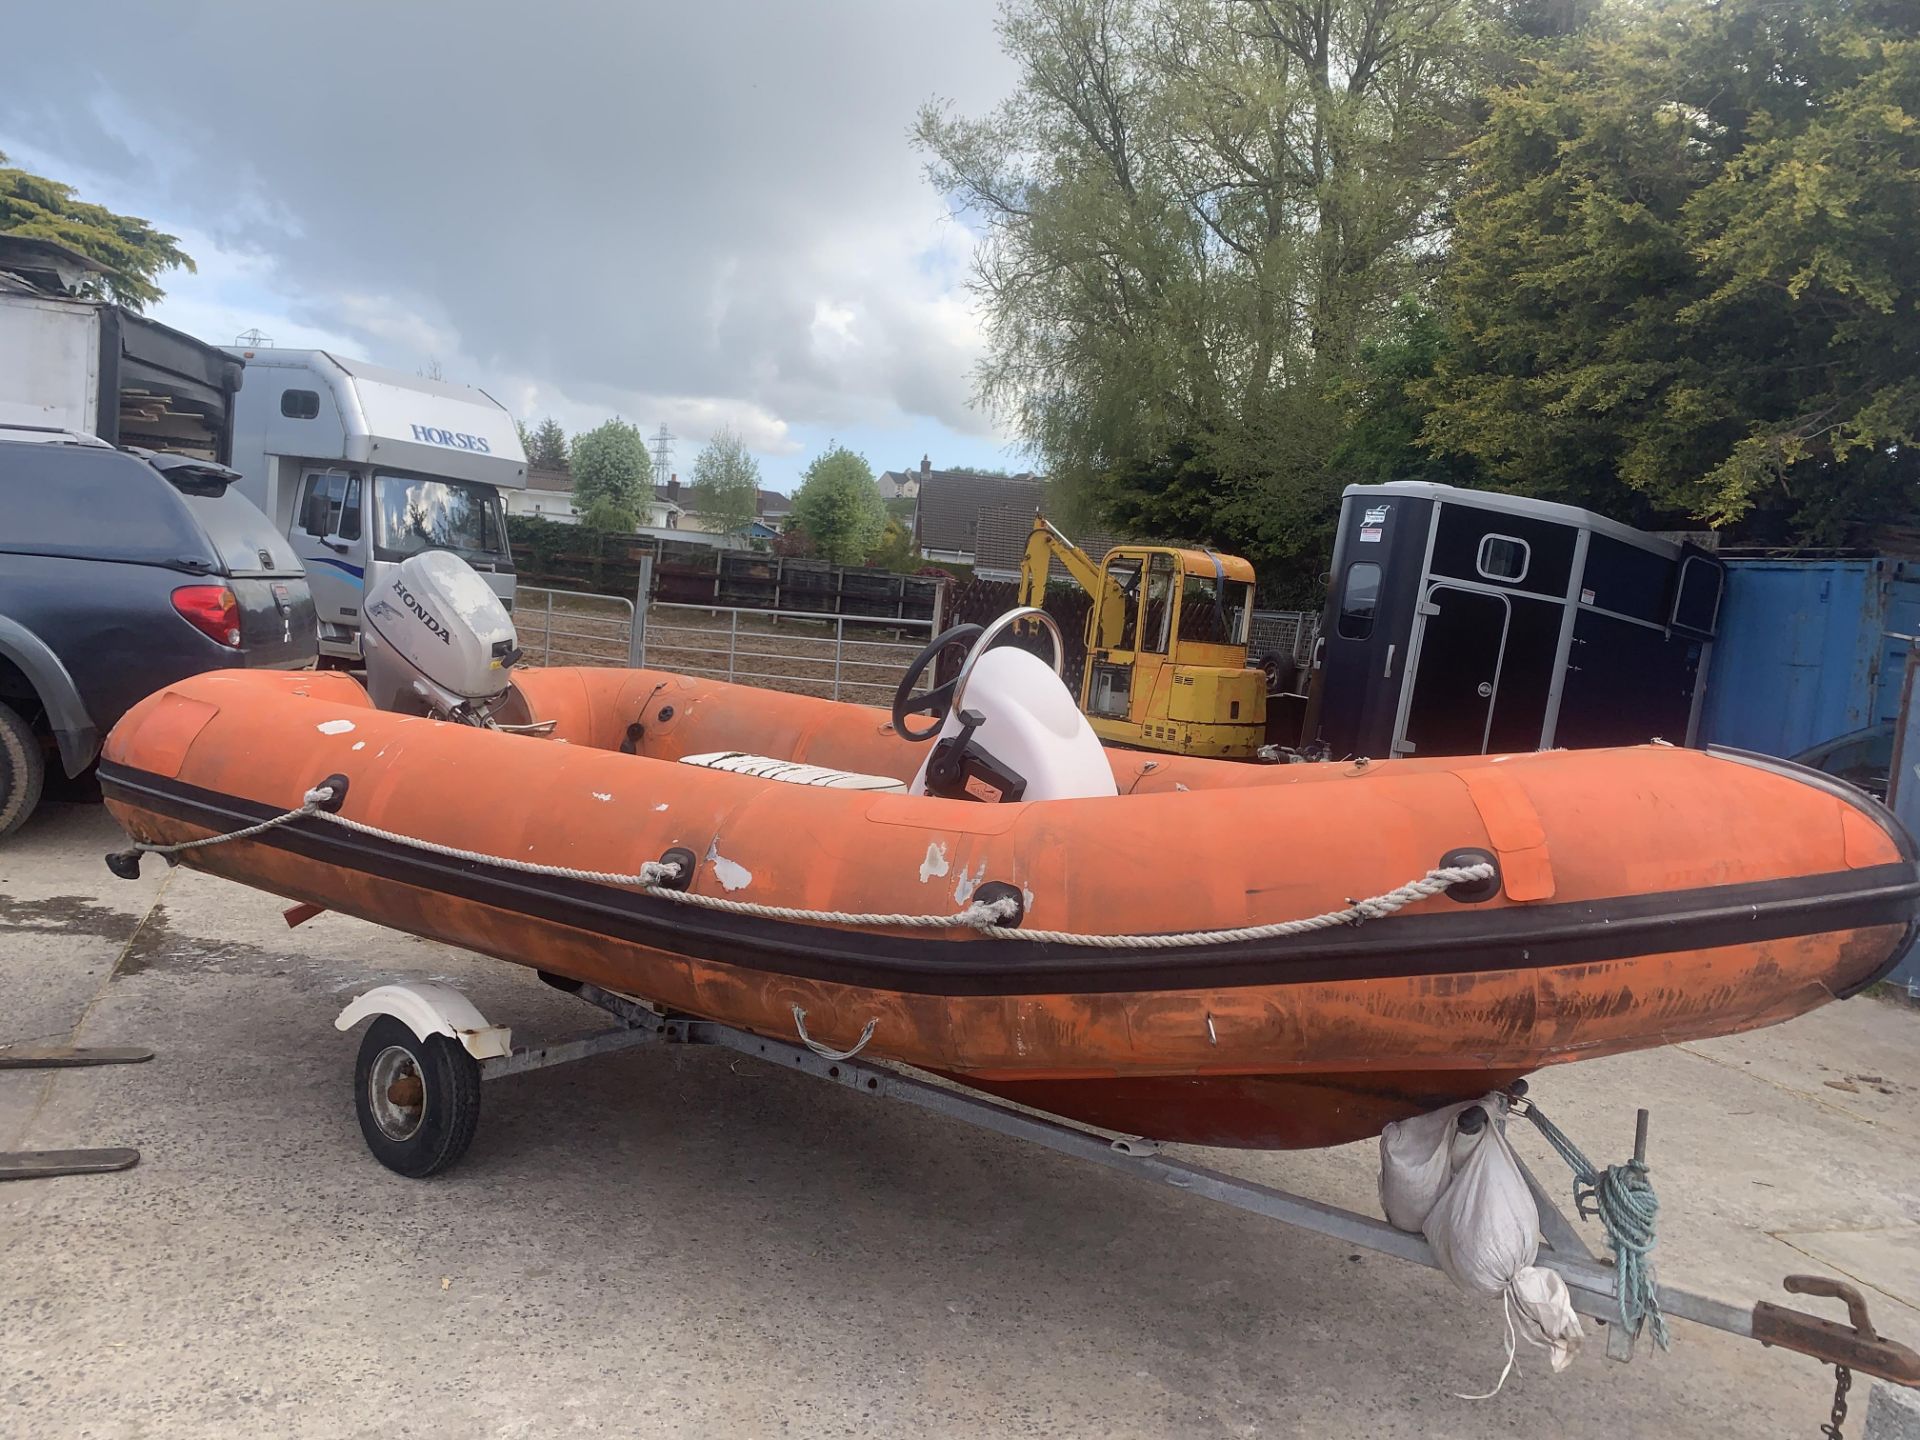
(697, 214)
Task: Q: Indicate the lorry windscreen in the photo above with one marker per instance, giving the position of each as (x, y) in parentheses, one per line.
(413, 514)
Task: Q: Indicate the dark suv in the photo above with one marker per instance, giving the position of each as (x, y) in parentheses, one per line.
(120, 571)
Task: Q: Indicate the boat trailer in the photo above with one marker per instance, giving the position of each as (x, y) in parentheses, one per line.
(451, 1039)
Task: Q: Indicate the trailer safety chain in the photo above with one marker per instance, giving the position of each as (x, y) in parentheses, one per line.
(985, 916)
(1842, 1382)
(1622, 1198)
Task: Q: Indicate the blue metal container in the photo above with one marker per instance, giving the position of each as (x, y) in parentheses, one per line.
(1808, 650)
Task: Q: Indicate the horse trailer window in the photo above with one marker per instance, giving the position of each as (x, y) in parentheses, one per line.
(300, 404)
(1359, 597)
(1502, 557)
(1696, 600)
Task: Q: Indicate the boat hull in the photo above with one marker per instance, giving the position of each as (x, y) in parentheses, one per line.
(1311, 1041)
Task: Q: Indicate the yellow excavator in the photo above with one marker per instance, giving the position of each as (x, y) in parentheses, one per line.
(1166, 644)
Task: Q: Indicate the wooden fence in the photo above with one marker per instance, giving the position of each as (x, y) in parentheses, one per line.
(566, 557)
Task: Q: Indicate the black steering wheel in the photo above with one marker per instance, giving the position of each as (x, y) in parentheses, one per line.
(937, 701)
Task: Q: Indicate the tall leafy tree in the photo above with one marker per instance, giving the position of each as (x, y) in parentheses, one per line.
(1197, 213)
(134, 253)
(612, 476)
(726, 484)
(547, 446)
(1684, 280)
(839, 507)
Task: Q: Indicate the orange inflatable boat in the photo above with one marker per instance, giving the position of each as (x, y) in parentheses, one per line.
(1110, 937)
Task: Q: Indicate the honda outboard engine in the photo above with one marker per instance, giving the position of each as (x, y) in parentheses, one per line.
(438, 641)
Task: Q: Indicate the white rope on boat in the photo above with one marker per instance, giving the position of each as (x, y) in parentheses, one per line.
(1434, 882)
(826, 1052)
(983, 916)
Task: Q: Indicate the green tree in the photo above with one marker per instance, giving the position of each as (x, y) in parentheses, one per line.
(1383, 413)
(726, 485)
(611, 469)
(548, 445)
(1684, 281)
(839, 507)
(895, 550)
(134, 253)
(607, 516)
(526, 437)
(1197, 213)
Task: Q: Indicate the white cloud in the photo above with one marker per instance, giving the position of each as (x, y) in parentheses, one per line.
(700, 215)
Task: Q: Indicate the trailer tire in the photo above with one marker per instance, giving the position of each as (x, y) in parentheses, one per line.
(415, 1132)
(23, 770)
(1282, 673)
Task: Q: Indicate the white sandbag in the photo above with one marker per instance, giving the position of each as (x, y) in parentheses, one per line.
(1485, 1227)
(1416, 1161)
(1545, 1312)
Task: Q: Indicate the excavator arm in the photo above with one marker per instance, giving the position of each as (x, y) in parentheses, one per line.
(1046, 544)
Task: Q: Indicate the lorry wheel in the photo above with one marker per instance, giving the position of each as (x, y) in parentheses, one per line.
(418, 1100)
(23, 770)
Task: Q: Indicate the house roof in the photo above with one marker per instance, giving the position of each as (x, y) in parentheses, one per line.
(948, 514)
(1001, 541)
(772, 502)
(544, 477)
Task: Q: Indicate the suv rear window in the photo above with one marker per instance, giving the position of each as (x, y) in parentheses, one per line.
(99, 504)
(240, 533)
(92, 503)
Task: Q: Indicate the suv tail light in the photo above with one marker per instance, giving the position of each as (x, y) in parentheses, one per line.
(212, 610)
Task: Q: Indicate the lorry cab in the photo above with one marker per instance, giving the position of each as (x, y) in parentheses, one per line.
(361, 466)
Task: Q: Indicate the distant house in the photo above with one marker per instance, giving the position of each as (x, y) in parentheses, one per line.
(903, 484)
(774, 511)
(667, 511)
(549, 495)
(946, 520)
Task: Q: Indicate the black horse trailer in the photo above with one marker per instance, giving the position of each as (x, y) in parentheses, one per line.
(1461, 622)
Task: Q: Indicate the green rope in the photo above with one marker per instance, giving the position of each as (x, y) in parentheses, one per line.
(1621, 1197)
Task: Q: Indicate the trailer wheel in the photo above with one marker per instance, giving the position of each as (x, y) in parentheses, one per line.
(23, 770)
(1282, 673)
(418, 1100)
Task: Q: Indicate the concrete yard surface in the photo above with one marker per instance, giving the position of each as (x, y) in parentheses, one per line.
(684, 1242)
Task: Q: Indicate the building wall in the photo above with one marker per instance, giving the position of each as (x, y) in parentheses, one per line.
(545, 504)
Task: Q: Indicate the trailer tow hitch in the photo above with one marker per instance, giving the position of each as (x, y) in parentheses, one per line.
(1853, 1346)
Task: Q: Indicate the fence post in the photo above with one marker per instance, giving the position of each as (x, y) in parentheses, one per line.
(839, 649)
(939, 605)
(733, 641)
(546, 635)
(642, 597)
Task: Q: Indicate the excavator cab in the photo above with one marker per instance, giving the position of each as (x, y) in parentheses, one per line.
(1166, 644)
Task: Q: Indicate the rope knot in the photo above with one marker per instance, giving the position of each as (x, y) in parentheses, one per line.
(987, 914)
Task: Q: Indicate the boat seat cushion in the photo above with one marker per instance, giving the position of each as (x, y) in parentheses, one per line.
(788, 772)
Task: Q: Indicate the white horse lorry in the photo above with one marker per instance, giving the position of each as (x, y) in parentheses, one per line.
(362, 466)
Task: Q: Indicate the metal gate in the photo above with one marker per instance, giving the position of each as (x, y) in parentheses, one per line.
(803, 651)
(572, 627)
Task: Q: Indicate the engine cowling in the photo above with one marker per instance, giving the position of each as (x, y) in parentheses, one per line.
(436, 636)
